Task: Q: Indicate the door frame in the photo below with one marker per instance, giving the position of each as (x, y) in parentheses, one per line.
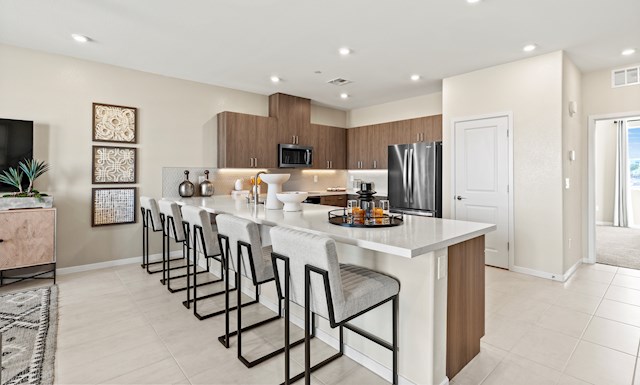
(510, 202)
(589, 233)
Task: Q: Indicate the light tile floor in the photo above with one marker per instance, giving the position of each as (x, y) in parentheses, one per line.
(120, 326)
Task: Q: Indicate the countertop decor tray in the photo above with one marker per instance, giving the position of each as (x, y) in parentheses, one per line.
(341, 217)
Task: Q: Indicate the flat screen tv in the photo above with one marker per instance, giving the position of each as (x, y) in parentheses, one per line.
(16, 144)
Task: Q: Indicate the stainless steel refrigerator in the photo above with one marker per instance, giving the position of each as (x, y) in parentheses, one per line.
(415, 178)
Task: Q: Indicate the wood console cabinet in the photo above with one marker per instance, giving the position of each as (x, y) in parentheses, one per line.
(246, 141)
(27, 238)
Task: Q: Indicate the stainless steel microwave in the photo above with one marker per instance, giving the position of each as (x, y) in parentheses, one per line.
(293, 155)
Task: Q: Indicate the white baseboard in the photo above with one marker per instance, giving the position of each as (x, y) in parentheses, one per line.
(350, 352)
(600, 223)
(571, 270)
(116, 262)
(537, 273)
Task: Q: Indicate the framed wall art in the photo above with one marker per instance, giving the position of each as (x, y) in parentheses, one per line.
(113, 206)
(113, 123)
(113, 165)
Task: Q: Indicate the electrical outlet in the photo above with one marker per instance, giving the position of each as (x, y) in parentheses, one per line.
(442, 267)
(569, 243)
(567, 183)
(315, 179)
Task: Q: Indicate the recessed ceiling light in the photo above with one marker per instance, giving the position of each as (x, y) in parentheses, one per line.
(629, 51)
(415, 78)
(344, 95)
(275, 79)
(529, 47)
(344, 51)
(473, 1)
(80, 38)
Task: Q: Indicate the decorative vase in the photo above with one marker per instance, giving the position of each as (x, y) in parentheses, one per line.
(238, 185)
(186, 188)
(206, 187)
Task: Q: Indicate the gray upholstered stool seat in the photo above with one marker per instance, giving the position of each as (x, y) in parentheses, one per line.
(201, 238)
(335, 291)
(362, 289)
(244, 253)
(150, 220)
(173, 228)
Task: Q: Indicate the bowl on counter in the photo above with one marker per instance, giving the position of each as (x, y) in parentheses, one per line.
(292, 199)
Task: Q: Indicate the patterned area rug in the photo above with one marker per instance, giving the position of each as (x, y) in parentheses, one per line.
(618, 246)
(29, 324)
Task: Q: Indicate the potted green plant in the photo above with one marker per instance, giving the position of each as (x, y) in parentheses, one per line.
(31, 169)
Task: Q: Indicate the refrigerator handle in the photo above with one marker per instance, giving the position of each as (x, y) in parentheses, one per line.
(410, 178)
(404, 174)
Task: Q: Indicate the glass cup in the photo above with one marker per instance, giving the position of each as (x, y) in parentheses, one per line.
(383, 206)
(351, 205)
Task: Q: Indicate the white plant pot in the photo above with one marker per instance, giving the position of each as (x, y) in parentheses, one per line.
(25, 203)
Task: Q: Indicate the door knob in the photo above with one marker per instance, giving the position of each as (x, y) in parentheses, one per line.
(460, 198)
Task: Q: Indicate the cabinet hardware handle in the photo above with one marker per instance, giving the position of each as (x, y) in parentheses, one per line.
(256, 163)
(251, 160)
(418, 136)
(327, 164)
(330, 164)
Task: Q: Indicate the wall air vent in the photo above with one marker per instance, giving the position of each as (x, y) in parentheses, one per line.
(625, 77)
(339, 81)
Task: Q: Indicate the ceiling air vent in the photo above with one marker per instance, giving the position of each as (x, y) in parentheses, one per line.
(625, 77)
(339, 81)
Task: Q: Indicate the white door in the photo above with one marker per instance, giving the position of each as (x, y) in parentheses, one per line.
(481, 178)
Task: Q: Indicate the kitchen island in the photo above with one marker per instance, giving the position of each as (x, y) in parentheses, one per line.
(440, 266)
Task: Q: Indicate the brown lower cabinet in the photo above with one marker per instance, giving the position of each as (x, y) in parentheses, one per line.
(334, 200)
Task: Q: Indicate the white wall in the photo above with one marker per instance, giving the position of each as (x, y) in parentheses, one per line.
(605, 162)
(328, 116)
(572, 133)
(424, 105)
(532, 90)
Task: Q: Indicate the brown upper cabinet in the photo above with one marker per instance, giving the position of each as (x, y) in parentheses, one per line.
(246, 141)
(367, 146)
(293, 116)
(331, 149)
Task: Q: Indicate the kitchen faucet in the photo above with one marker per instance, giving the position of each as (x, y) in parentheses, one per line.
(256, 196)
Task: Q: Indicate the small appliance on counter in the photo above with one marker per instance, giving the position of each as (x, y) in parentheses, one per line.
(415, 178)
(206, 187)
(186, 188)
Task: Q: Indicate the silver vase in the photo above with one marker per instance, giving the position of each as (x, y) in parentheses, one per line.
(206, 187)
(186, 188)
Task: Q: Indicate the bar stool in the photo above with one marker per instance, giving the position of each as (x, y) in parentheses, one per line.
(200, 232)
(150, 219)
(244, 254)
(173, 228)
(308, 273)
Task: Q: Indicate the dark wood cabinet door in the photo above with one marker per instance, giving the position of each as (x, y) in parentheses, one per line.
(354, 147)
(236, 133)
(421, 129)
(320, 149)
(436, 128)
(294, 115)
(265, 145)
(338, 148)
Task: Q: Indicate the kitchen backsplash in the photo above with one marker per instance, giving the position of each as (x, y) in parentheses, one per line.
(224, 179)
(378, 177)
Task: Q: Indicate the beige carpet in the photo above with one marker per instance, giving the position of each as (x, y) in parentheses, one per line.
(618, 246)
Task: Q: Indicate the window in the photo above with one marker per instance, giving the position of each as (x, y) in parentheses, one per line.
(634, 153)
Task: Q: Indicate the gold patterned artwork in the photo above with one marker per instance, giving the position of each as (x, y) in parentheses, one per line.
(114, 123)
(114, 164)
(113, 206)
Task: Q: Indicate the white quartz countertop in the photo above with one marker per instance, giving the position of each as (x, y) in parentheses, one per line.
(417, 235)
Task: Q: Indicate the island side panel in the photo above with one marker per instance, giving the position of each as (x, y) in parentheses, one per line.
(465, 303)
